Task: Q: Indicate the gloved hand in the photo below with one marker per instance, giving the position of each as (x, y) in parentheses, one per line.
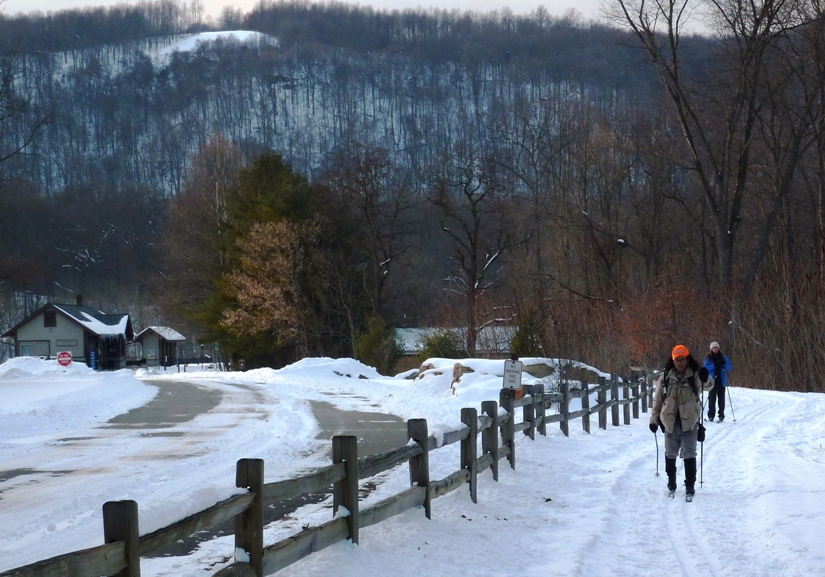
(703, 374)
(700, 436)
(653, 427)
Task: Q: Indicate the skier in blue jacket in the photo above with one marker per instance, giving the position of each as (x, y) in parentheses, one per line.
(718, 365)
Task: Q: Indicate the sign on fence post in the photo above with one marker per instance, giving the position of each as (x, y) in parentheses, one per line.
(512, 374)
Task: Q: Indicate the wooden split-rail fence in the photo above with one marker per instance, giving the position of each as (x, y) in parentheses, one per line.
(120, 555)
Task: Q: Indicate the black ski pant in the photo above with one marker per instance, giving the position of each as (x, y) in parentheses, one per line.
(716, 393)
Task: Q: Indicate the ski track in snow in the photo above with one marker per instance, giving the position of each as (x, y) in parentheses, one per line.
(697, 539)
(724, 536)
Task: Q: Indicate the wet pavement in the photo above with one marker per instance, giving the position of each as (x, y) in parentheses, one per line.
(175, 403)
(376, 432)
(13, 473)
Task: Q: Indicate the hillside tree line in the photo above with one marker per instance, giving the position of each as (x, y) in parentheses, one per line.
(607, 190)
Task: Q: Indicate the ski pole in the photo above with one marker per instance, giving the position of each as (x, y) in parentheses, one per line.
(656, 437)
(730, 402)
(702, 445)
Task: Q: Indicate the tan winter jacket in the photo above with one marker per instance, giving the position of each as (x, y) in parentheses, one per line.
(679, 395)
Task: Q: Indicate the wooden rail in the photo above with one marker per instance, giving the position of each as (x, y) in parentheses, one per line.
(120, 556)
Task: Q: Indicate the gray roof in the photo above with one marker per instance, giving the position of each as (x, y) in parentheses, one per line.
(167, 333)
(491, 340)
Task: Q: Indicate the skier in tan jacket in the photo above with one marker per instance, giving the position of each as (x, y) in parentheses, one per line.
(677, 410)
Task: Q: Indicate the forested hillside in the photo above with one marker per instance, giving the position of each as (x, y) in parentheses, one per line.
(607, 190)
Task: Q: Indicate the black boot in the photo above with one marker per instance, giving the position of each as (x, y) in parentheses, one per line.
(690, 476)
(670, 469)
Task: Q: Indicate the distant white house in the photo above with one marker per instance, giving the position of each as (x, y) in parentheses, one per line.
(159, 345)
(91, 336)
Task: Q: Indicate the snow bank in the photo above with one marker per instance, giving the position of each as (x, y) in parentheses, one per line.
(43, 396)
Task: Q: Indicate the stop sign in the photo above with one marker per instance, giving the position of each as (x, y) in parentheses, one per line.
(64, 358)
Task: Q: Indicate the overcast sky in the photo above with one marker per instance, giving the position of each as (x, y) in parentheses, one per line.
(588, 8)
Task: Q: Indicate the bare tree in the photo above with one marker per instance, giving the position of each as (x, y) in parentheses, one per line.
(19, 114)
(367, 180)
(193, 245)
(718, 110)
(475, 216)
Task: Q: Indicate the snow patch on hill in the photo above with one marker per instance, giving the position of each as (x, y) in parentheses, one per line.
(189, 42)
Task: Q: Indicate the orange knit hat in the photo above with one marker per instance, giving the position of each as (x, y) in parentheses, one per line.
(679, 351)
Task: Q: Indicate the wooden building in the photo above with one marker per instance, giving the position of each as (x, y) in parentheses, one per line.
(159, 345)
(91, 336)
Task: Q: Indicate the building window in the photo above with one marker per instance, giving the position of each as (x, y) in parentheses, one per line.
(50, 319)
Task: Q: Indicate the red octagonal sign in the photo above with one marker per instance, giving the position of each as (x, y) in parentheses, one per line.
(64, 358)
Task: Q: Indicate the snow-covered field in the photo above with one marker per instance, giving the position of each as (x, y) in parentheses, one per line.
(584, 505)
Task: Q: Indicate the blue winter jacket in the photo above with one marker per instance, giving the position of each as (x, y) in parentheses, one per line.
(726, 368)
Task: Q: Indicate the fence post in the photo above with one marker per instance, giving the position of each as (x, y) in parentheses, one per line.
(602, 402)
(345, 491)
(489, 436)
(420, 464)
(586, 406)
(469, 449)
(626, 396)
(541, 409)
(249, 525)
(120, 523)
(636, 401)
(529, 412)
(564, 409)
(614, 396)
(508, 428)
(643, 382)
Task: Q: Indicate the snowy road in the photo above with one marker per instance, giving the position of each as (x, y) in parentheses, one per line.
(188, 431)
(153, 457)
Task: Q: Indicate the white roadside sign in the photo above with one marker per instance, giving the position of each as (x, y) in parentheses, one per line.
(512, 374)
